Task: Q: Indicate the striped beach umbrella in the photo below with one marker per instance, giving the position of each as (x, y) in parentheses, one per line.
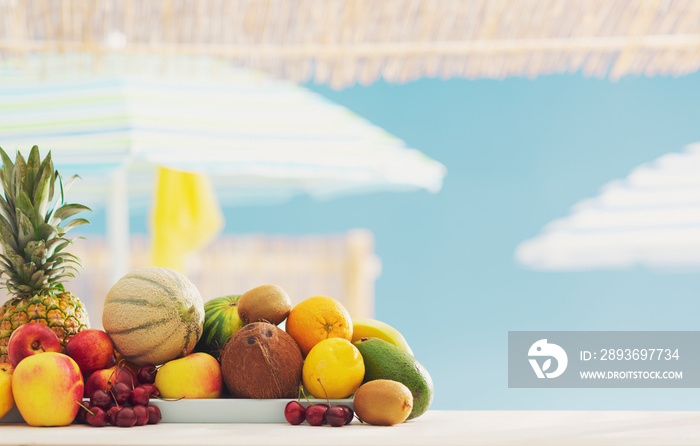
(259, 140)
(649, 218)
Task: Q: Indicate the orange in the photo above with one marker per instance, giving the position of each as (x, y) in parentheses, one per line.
(318, 318)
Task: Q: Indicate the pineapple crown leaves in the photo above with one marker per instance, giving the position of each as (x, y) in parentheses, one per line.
(33, 223)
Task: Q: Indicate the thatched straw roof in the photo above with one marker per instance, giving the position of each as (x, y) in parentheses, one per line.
(343, 42)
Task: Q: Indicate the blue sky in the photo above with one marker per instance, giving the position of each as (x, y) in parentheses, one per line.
(519, 153)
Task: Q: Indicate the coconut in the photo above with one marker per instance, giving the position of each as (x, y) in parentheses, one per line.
(262, 361)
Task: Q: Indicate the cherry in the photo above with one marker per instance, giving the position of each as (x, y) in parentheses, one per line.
(126, 417)
(349, 414)
(316, 414)
(120, 392)
(112, 412)
(141, 415)
(139, 396)
(335, 416)
(80, 418)
(147, 374)
(294, 413)
(101, 399)
(154, 415)
(97, 417)
(152, 390)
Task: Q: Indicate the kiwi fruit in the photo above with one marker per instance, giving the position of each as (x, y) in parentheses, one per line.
(383, 402)
(269, 303)
(262, 361)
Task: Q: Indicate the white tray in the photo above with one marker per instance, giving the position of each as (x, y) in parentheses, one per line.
(221, 410)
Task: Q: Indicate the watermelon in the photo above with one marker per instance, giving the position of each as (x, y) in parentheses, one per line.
(221, 321)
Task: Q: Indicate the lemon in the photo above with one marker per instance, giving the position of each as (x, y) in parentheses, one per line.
(335, 365)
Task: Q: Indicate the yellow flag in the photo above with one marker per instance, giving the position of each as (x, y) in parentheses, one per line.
(186, 216)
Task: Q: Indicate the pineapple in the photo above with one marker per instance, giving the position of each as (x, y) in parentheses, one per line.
(34, 259)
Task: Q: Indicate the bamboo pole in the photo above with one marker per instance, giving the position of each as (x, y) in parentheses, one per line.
(342, 42)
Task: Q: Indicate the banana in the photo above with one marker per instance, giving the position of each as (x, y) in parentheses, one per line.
(371, 328)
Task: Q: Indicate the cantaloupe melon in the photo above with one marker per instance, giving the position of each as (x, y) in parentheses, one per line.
(153, 315)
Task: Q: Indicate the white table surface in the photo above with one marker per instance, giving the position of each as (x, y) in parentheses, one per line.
(440, 428)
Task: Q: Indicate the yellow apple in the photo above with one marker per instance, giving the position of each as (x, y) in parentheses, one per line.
(195, 376)
(47, 389)
(7, 401)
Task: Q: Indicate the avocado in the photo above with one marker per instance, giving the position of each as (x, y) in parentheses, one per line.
(384, 360)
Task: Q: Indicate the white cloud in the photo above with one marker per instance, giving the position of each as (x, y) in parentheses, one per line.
(650, 218)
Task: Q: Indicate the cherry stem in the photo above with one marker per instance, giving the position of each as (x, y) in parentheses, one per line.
(301, 389)
(324, 391)
(131, 376)
(111, 375)
(120, 368)
(113, 396)
(83, 406)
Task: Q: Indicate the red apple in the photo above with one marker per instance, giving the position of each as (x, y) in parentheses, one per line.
(30, 339)
(46, 389)
(104, 379)
(92, 349)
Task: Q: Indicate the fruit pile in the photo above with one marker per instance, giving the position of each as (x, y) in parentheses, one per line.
(161, 340)
(110, 404)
